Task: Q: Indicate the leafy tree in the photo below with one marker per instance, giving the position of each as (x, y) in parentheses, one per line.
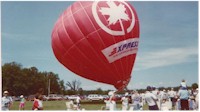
(11, 73)
(27, 81)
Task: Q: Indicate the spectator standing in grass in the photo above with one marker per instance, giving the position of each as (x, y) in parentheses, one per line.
(125, 102)
(112, 101)
(78, 102)
(22, 103)
(6, 101)
(165, 102)
(136, 100)
(143, 102)
(183, 96)
(107, 107)
(40, 102)
(70, 105)
(151, 99)
(172, 95)
(156, 92)
(36, 103)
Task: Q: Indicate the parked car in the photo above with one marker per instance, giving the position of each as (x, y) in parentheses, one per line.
(60, 97)
(72, 97)
(53, 97)
(94, 97)
(45, 98)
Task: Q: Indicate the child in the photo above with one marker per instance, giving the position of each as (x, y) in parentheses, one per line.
(22, 102)
(183, 84)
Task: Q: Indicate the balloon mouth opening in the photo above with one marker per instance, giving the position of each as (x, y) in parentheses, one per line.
(120, 88)
(121, 85)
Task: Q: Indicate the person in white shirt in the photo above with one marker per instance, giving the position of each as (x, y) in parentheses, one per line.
(172, 95)
(70, 105)
(156, 93)
(151, 99)
(165, 103)
(143, 99)
(164, 95)
(136, 100)
(78, 101)
(40, 102)
(125, 102)
(107, 107)
(112, 100)
(183, 84)
(6, 101)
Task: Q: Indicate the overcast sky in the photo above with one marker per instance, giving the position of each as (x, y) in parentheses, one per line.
(168, 48)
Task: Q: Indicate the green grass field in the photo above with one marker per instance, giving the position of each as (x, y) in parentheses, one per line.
(60, 105)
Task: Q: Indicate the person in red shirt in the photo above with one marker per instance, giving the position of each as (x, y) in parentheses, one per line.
(35, 103)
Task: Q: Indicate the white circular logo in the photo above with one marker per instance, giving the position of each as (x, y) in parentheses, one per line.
(116, 13)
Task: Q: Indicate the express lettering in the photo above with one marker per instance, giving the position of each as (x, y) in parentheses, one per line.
(124, 47)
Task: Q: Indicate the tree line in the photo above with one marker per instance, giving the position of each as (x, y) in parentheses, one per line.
(28, 81)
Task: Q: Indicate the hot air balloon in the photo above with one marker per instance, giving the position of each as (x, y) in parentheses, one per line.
(98, 40)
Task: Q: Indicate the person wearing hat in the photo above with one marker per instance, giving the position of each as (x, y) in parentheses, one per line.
(6, 101)
(22, 102)
(151, 99)
(125, 101)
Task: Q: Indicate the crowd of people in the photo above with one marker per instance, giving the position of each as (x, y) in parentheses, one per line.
(7, 102)
(183, 99)
(74, 105)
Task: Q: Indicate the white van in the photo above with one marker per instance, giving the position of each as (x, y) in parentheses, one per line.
(93, 97)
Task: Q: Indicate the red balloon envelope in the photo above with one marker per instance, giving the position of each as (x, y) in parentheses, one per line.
(98, 40)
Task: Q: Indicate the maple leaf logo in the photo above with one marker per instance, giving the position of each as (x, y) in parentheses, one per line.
(115, 13)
